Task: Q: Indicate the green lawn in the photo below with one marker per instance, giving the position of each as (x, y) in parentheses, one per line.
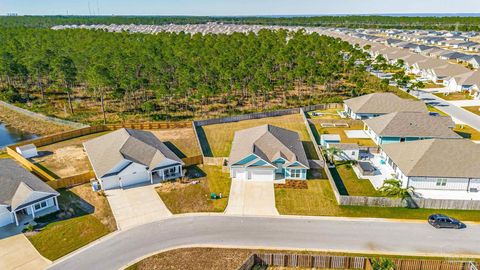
(433, 109)
(217, 139)
(454, 96)
(349, 184)
(183, 198)
(467, 132)
(318, 200)
(341, 132)
(60, 238)
(473, 109)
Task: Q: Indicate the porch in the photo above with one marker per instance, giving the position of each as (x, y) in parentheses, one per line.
(166, 173)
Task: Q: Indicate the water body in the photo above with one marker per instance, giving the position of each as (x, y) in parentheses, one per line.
(9, 135)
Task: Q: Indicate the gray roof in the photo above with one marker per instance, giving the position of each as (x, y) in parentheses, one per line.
(17, 184)
(138, 146)
(413, 124)
(383, 103)
(436, 158)
(268, 143)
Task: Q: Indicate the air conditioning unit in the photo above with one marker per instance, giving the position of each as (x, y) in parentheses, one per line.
(473, 189)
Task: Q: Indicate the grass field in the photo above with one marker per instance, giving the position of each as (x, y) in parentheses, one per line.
(473, 109)
(349, 184)
(318, 200)
(467, 132)
(217, 139)
(454, 96)
(341, 131)
(182, 141)
(188, 198)
(93, 220)
(433, 109)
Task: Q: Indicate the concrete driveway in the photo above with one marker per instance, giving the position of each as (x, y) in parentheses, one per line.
(249, 197)
(16, 252)
(136, 206)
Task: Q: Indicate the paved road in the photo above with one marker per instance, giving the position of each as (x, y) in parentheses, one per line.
(378, 236)
(455, 112)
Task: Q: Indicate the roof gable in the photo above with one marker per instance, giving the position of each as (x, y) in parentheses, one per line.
(383, 103)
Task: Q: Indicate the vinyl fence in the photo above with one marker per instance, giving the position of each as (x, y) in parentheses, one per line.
(346, 262)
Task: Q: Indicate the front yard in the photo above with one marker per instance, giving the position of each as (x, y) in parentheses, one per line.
(473, 109)
(188, 197)
(217, 139)
(454, 96)
(318, 200)
(92, 220)
(349, 184)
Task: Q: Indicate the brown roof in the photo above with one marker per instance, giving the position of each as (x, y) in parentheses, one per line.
(138, 146)
(383, 103)
(268, 143)
(436, 158)
(413, 124)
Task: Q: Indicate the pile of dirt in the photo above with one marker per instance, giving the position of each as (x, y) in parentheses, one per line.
(293, 184)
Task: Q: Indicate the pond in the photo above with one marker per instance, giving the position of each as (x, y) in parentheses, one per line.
(9, 135)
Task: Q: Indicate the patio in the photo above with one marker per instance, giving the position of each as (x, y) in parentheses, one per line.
(382, 172)
(357, 134)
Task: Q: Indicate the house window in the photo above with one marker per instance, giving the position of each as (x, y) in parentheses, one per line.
(295, 173)
(441, 182)
(40, 205)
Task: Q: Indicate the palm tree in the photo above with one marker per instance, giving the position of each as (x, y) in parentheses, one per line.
(393, 188)
(332, 152)
(383, 264)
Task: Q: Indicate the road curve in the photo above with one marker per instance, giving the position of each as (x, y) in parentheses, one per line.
(352, 235)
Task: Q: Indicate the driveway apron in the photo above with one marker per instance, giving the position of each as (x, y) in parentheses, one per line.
(249, 197)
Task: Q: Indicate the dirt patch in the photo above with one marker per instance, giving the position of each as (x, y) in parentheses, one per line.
(102, 210)
(195, 258)
(181, 141)
(29, 124)
(66, 161)
(295, 184)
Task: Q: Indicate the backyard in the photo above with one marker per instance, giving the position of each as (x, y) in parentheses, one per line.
(318, 200)
(92, 219)
(188, 197)
(357, 125)
(217, 139)
(348, 183)
(467, 132)
(181, 141)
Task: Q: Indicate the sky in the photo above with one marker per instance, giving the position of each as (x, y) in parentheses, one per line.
(233, 8)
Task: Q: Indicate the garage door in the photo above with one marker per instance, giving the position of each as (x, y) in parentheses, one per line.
(242, 175)
(133, 179)
(5, 218)
(265, 175)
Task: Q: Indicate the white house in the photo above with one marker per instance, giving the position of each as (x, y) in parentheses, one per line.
(23, 196)
(346, 151)
(267, 153)
(376, 104)
(436, 164)
(27, 151)
(127, 157)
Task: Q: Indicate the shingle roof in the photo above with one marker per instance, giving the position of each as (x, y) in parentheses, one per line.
(269, 143)
(17, 184)
(413, 124)
(436, 158)
(383, 103)
(138, 146)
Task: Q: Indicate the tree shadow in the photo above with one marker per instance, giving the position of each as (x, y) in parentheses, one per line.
(207, 151)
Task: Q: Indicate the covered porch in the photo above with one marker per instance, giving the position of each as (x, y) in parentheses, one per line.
(166, 173)
(27, 213)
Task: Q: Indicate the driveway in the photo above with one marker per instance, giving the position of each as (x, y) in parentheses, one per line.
(249, 197)
(16, 252)
(374, 236)
(136, 205)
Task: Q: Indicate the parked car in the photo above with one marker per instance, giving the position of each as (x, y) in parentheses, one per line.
(441, 221)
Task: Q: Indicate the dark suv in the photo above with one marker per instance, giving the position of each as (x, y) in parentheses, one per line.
(441, 221)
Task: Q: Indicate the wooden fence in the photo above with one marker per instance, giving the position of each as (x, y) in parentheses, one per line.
(67, 135)
(321, 161)
(243, 117)
(346, 262)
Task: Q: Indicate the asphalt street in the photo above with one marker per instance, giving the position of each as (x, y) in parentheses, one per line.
(330, 234)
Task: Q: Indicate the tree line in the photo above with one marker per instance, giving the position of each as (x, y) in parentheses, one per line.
(398, 22)
(168, 72)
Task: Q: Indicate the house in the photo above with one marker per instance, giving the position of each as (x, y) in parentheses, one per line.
(376, 104)
(474, 61)
(346, 151)
(435, 164)
(267, 153)
(327, 139)
(127, 157)
(23, 196)
(409, 126)
(27, 151)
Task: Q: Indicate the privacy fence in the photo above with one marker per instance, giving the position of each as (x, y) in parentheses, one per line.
(82, 178)
(345, 262)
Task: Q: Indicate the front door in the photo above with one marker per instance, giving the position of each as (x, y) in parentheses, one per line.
(279, 168)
